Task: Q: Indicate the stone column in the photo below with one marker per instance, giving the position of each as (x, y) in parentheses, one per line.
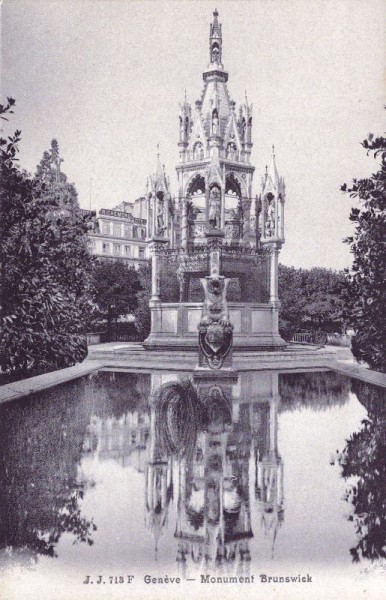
(222, 218)
(184, 223)
(223, 187)
(246, 204)
(277, 233)
(273, 425)
(166, 205)
(172, 232)
(148, 231)
(281, 213)
(154, 220)
(207, 200)
(155, 247)
(274, 294)
(154, 277)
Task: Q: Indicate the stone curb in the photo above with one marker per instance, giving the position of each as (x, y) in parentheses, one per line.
(117, 358)
(18, 389)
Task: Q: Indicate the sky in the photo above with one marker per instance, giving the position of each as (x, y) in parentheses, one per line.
(105, 78)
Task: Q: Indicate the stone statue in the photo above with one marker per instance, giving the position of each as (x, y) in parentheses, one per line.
(198, 152)
(215, 55)
(231, 152)
(181, 127)
(243, 128)
(160, 216)
(270, 218)
(214, 123)
(214, 208)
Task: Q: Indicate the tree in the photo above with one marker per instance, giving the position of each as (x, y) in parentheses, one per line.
(365, 293)
(363, 463)
(115, 288)
(142, 312)
(310, 299)
(45, 267)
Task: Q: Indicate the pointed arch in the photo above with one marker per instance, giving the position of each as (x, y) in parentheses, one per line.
(195, 184)
(234, 183)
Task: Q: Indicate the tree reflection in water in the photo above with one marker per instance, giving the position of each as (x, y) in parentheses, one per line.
(316, 390)
(364, 458)
(40, 492)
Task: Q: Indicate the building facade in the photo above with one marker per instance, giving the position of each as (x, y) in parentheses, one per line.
(120, 233)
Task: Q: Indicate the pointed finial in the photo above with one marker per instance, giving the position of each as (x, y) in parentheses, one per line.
(158, 171)
(246, 98)
(185, 97)
(273, 151)
(266, 170)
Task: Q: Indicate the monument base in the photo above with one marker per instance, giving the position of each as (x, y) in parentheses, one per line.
(174, 326)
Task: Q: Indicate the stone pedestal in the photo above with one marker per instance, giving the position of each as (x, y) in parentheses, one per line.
(156, 243)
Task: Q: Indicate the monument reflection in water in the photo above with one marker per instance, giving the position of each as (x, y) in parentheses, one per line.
(213, 523)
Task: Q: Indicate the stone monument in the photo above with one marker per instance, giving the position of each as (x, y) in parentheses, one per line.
(215, 214)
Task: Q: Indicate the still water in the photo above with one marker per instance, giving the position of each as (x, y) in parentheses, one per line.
(160, 473)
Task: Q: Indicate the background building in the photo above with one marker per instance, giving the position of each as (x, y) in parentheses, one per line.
(120, 233)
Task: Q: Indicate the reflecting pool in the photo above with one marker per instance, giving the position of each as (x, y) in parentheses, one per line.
(159, 472)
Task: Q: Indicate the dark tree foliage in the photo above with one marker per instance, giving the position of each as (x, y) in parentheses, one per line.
(45, 266)
(142, 312)
(115, 290)
(365, 294)
(310, 300)
(364, 458)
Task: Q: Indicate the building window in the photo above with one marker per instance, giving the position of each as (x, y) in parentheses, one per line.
(135, 231)
(143, 234)
(105, 248)
(117, 248)
(128, 250)
(117, 229)
(106, 227)
(141, 252)
(127, 231)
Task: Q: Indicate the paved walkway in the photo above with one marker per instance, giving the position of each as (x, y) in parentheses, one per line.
(17, 389)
